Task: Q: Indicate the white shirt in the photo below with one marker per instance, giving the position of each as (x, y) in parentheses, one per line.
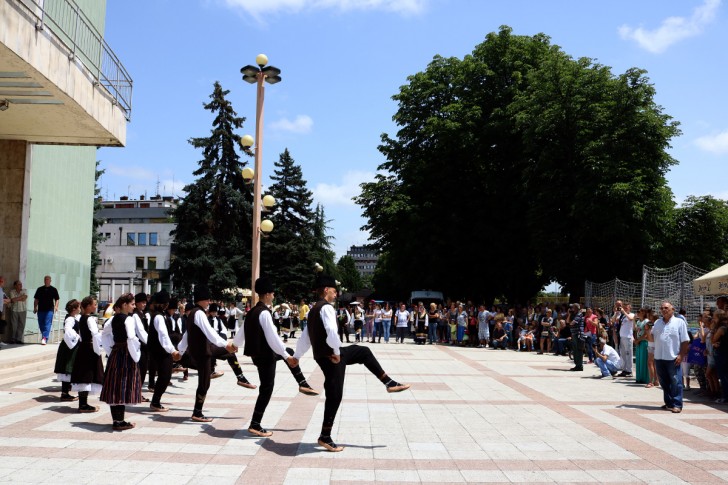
(328, 317)
(668, 337)
(378, 315)
(132, 341)
(161, 327)
(403, 318)
(270, 332)
(203, 324)
(69, 334)
(612, 355)
(627, 328)
(139, 328)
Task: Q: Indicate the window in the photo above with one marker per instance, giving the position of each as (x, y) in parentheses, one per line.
(152, 262)
(131, 239)
(140, 262)
(153, 239)
(142, 241)
(107, 235)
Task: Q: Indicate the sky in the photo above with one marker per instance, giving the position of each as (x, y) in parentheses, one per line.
(343, 60)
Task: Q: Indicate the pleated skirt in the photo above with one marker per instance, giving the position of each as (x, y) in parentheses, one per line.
(122, 380)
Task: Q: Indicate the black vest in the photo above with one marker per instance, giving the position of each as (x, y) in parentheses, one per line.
(198, 345)
(84, 332)
(256, 344)
(155, 346)
(118, 327)
(317, 332)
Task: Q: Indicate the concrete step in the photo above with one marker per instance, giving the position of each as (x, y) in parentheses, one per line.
(25, 363)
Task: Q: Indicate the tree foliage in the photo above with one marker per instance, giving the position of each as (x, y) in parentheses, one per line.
(697, 233)
(516, 166)
(213, 234)
(321, 242)
(96, 236)
(286, 253)
(348, 274)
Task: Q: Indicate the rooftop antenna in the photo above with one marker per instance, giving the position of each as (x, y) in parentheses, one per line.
(157, 185)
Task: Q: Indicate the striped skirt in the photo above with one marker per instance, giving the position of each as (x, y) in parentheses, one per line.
(122, 380)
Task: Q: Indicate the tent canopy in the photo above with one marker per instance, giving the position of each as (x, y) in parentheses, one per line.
(713, 283)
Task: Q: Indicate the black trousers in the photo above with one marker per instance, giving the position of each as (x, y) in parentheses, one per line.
(334, 375)
(267, 376)
(343, 330)
(204, 369)
(219, 353)
(143, 363)
(163, 365)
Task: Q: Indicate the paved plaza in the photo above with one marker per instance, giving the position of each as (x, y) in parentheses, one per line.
(471, 416)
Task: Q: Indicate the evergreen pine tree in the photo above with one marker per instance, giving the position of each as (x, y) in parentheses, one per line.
(96, 236)
(321, 243)
(286, 255)
(213, 235)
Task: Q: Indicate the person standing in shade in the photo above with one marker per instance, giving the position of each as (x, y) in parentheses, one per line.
(197, 341)
(576, 325)
(671, 348)
(402, 317)
(18, 312)
(321, 335)
(261, 342)
(141, 325)
(626, 340)
(122, 381)
(45, 304)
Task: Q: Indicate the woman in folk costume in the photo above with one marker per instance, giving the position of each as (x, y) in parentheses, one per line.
(67, 350)
(122, 380)
(160, 345)
(358, 315)
(421, 323)
(88, 370)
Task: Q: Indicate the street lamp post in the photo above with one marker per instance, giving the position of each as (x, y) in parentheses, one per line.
(257, 75)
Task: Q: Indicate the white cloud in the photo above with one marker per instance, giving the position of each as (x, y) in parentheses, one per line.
(341, 195)
(302, 124)
(257, 8)
(673, 29)
(130, 172)
(717, 144)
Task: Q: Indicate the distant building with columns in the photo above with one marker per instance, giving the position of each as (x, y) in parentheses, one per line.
(136, 252)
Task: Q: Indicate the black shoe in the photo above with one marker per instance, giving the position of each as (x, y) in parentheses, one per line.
(68, 398)
(122, 425)
(576, 369)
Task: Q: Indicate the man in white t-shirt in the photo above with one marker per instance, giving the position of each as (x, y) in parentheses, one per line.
(626, 340)
(607, 359)
(671, 348)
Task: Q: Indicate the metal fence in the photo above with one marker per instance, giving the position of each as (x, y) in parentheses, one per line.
(71, 27)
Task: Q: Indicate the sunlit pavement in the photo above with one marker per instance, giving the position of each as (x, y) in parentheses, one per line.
(471, 416)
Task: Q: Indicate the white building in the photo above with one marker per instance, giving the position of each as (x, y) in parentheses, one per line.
(365, 259)
(136, 254)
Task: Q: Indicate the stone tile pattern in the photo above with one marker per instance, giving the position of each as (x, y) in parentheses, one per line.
(472, 416)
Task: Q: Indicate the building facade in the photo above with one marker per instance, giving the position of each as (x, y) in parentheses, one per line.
(63, 93)
(136, 250)
(365, 259)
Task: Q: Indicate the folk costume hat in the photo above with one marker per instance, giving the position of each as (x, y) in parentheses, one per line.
(140, 297)
(325, 281)
(202, 293)
(264, 285)
(173, 302)
(161, 297)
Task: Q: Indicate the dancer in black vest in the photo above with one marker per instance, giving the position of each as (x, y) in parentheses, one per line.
(222, 354)
(67, 349)
(197, 341)
(88, 369)
(141, 322)
(263, 344)
(161, 347)
(332, 358)
(122, 382)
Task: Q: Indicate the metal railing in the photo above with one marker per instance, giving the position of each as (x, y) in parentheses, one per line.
(70, 26)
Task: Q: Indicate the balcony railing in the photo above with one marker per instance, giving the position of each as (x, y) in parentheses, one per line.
(70, 26)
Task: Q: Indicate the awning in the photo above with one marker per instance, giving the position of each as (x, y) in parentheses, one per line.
(713, 283)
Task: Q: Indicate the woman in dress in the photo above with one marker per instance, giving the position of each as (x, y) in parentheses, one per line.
(122, 380)
(642, 375)
(87, 376)
(66, 354)
(421, 323)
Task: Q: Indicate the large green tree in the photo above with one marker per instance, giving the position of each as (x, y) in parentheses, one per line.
(321, 241)
(348, 274)
(286, 253)
(697, 233)
(96, 236)
(212, 238)
(515, 166)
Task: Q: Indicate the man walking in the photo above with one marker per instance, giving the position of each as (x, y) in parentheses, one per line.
(671, 348)
(45, 304)
(332, 358)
